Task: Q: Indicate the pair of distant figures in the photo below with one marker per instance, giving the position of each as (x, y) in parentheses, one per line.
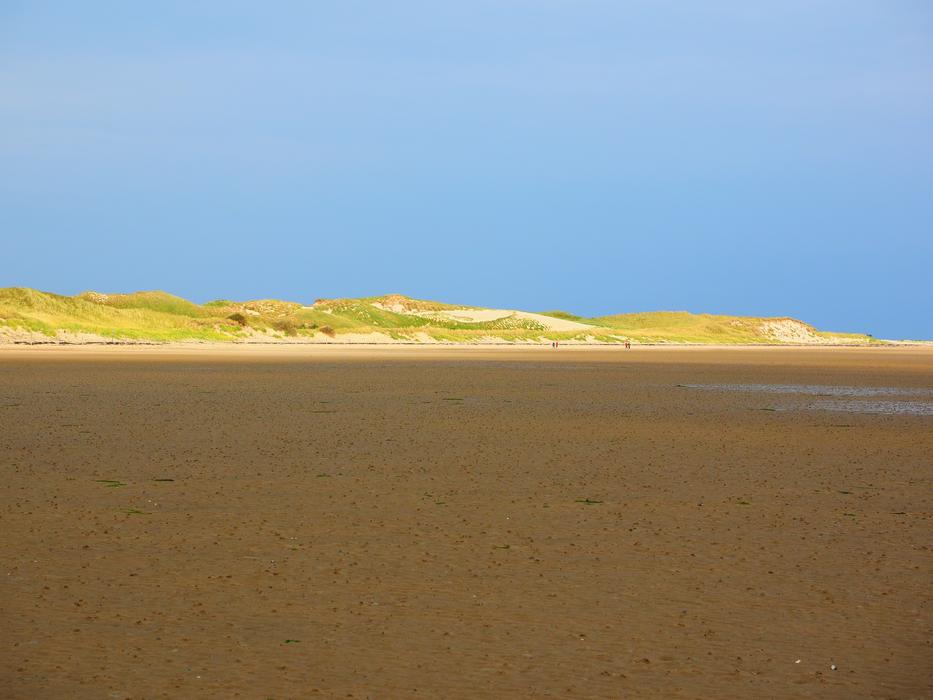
(554, 344)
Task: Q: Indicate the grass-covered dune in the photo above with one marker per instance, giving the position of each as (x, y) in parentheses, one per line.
(685, 327)
(28, 315)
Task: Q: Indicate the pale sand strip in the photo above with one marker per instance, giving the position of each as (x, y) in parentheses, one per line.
(917, 357)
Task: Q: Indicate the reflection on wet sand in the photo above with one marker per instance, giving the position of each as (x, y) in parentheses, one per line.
(850, 399)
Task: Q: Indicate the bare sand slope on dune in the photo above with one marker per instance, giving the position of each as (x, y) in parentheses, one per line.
(468, 315)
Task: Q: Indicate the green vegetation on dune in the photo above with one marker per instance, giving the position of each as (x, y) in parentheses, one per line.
(146, 316)
(152, 301)
(566, 316)
(159, 317)
(685, 327)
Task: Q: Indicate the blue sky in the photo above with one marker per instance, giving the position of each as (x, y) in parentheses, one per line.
(766, 158)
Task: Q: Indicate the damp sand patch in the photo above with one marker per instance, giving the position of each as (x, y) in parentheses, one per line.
(817, 390)
(846, 399)
(905, 408)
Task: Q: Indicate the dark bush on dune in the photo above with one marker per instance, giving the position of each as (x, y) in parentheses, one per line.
(238, 318)
(286, 326)
(328, 331)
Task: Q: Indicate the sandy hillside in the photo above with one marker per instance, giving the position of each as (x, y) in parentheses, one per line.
(29, 316)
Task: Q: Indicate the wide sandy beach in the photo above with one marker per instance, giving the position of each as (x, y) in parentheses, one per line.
(483, 522)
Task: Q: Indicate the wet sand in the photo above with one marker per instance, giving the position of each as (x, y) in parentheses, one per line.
(461, 523)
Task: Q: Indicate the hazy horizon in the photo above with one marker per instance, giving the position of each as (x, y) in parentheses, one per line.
(773, 159)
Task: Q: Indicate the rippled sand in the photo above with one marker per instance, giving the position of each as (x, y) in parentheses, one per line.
(463, 523)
